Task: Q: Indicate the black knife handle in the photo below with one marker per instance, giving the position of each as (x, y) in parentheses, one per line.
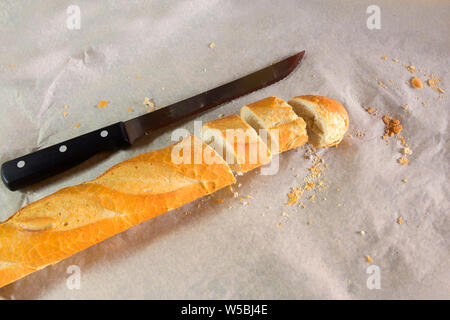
(36, 166)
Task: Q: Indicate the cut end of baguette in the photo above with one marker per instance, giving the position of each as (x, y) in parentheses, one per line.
(326, 119)
(237, 142)
(285, 129)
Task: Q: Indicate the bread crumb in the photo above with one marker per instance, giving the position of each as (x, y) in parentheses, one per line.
(362, 232)
(249, 197)
(369, 259)
(411, 69)
(400, 220)
(313, 75)
(138, 76)
(312, 197)
(130, 109)
(405, 107)
(309, 186)
(309, 223)
(66, 107)
(402, 140)
(64, 114)
(416, 83)
(403, 161)
(77, 125)
(404, 180)
(371, 110)
(406, 151)
(383, 58)
(440, 90)
(102, 104)
(284, 214)
(391, 126)
(280, 224)
(395, 60)
(212, 45)
(219, 200)
(294, 195)
(149, 103)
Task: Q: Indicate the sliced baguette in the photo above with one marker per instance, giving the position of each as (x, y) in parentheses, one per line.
(129, 193)
(326, 119)
(286, 130)
(237, 142)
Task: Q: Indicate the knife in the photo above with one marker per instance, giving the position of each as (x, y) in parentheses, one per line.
(37, 166)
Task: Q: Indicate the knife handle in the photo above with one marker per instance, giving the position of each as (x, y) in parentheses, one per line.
(36, 166)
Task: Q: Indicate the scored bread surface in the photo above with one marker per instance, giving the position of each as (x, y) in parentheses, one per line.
(129, 193)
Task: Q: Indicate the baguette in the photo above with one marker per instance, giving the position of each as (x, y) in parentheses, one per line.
(143, 187)
(237, 142)
(129, 193)
(286, 130)
(326, 119)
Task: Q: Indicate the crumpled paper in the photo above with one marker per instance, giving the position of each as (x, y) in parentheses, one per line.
(257, 247)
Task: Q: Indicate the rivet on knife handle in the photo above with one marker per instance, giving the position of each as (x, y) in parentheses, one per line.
(36, 166)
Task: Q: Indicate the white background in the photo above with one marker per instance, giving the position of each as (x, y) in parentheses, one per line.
(242, 252)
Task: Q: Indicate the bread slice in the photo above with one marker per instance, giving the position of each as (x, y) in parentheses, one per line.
(237, 142)
(326, 119)
(77, 217)
(285, 129)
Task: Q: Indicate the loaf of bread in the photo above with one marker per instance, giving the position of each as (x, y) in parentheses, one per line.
(326, 119)
(129, 193)
(150, 184)
(237, 142)
(285, 129)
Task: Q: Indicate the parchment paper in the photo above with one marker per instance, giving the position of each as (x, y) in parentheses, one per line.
(128, 50)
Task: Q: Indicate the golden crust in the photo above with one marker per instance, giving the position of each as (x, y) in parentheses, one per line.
(287, 130)
(291, 135)
(249, 150)
(332, 115)
(77, 217)
(272, 111)
(330, 104)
